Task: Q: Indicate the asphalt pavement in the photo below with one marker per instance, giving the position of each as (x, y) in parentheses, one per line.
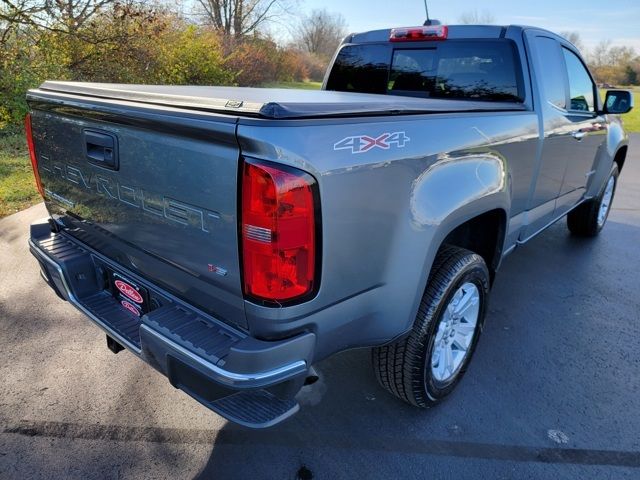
(552, 391)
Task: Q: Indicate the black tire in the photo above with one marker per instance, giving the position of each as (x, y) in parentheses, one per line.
(583, 220)
(404, 367)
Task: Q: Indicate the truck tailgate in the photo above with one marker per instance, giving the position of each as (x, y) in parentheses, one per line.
(153, 189)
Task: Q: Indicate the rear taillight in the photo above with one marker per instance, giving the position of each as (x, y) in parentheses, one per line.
(419, 34)
(278, 223)
(32, 153)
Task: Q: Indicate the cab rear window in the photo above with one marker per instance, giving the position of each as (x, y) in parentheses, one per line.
(485, 70)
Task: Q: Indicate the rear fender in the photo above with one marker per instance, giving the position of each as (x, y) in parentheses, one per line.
(451, 192)
(455, 187)
(616, 139)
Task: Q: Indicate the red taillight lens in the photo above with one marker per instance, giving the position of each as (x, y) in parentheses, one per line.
(278, 232)
(32, 153)
(419, 34)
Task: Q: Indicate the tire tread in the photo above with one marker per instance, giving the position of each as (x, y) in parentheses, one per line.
(399, 365)
(582, 221)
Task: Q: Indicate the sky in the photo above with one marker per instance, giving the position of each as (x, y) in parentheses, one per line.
(615, 20)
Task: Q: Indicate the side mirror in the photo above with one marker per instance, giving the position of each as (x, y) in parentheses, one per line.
(618, 101)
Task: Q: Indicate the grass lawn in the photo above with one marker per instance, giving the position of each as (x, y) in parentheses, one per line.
(302, 85)
(632, 119)
(17, 186)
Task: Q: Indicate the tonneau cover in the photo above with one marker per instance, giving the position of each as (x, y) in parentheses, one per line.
(274, 103)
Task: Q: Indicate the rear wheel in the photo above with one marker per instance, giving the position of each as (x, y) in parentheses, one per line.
(588, 218)
(425, 367)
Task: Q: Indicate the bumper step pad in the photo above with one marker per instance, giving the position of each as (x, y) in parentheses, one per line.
(103, 305)
(257, 408)
(193, 332)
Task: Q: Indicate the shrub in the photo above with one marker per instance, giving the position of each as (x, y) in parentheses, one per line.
(193, 56)
(24, 64)
(292, 66)
(253, 62)
(315, 65)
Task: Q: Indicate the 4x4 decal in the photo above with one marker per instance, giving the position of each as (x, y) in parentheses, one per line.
(364, 143)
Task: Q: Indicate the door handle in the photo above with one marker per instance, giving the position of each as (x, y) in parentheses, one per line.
(578, 135)
(101, 149)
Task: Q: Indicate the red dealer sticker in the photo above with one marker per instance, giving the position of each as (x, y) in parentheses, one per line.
(128, 291)
(129, 306)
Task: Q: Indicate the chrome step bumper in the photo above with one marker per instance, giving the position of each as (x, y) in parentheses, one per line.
(248, 381)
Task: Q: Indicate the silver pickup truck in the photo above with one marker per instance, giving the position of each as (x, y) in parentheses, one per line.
(234, 237)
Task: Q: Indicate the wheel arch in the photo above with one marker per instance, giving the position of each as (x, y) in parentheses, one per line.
(621, 156)
(613, 153)
(483, 234)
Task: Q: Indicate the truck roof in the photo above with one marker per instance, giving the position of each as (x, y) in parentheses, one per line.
(271, 103)
(455, 32)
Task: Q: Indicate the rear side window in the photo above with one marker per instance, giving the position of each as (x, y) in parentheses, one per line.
(580, 84)
(361, 68)
(550, 65)
(468, 70)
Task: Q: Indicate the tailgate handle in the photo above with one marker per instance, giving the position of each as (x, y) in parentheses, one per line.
(101, 149)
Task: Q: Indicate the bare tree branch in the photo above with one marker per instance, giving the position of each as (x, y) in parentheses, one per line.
(573, 37)
(60, 16)
(237, 18)
(475, 17)
(320, 32)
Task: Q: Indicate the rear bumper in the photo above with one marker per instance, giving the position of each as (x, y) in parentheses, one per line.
(246, 380)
